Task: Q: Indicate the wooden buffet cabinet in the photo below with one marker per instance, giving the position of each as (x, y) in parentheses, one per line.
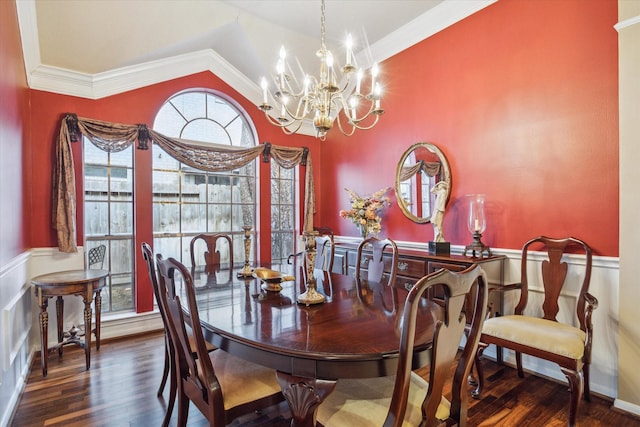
(414, 264)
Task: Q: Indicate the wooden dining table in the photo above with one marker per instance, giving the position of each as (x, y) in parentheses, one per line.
(354, 334)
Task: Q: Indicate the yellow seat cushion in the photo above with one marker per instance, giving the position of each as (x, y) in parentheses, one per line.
(365, 402)
(547, 335)
(242, 381)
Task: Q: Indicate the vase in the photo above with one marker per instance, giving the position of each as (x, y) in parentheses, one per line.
(364, 232)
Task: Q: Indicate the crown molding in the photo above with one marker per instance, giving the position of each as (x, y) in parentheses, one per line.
(627, 23)
(424, 26)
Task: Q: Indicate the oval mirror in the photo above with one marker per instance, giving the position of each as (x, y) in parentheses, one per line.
(421, 167)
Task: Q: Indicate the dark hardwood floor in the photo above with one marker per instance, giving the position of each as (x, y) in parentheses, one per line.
(120, 390)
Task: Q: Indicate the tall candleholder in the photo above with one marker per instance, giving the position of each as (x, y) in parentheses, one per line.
(311, 295)
(476, 224)
(246, 271)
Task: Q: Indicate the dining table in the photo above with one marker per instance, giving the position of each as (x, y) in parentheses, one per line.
(354, 333)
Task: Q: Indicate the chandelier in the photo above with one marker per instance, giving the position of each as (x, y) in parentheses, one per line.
(323, 99)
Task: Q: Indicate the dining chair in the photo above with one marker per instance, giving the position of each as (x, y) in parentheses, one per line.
(221, 386)
(407, 399)
(325, 250)
(212, 256)
(381, 250)
(96, 255)
(534, 328)
(169, 355)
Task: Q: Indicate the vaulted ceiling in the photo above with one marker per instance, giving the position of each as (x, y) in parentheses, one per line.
(96, 48)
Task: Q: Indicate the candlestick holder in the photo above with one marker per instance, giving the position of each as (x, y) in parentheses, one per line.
(477, 224)
(311, 295)
(246, 271)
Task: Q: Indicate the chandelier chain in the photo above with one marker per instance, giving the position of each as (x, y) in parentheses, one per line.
(322, 26)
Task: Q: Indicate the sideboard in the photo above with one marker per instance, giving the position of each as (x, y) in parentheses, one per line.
(413, 264)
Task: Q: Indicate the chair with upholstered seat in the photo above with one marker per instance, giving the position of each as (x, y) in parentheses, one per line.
(222, 386)
(169, 356)
(534, 328)
(407, 399)
(381, 250)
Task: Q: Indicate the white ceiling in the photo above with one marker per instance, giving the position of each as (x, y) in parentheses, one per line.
(98, 48)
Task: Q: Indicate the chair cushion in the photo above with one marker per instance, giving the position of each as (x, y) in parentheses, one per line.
(242, 381)
(210, 347)
(365, 402)
(548, 335)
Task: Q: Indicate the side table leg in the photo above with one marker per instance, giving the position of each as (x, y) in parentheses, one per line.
(44, 330)
(60, 321)
(87, 328)
(98, 316)
(304, 395)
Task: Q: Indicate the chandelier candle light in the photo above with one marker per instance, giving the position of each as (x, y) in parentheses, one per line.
(322, 99)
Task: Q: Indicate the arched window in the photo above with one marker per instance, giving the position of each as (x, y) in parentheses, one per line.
(188, 201)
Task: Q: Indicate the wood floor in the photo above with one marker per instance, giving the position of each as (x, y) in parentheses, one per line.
(120, 390)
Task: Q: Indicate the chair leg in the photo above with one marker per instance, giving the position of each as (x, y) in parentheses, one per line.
(165, 372)
(586, 388)
(173, 387)
(183, 410)
(519, 364)
(479, 371)
(575, 388)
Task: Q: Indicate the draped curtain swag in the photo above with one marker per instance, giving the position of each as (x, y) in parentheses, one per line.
(114, 137)
(430, 168)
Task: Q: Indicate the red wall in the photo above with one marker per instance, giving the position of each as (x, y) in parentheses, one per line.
(522, 99)
(14, 126)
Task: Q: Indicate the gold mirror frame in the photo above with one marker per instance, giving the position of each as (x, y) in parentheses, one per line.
(444, 174)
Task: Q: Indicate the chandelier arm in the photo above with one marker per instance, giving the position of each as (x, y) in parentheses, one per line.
(284, 125)
(345, 133)
(297, 116)
(288, 131)
(375, 121)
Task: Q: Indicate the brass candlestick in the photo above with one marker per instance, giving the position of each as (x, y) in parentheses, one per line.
(246, 271)
(311, 295)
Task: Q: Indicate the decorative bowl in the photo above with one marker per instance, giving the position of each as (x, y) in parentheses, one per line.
(271, 278)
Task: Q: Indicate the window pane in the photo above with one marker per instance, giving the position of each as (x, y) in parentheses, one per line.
(166, 186)
(121, 218)
(206, 130)
(96, 219)
(122, 158)
(162, 160)
(166, 218)
(194, 217)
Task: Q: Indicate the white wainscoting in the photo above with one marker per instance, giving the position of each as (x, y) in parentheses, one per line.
(15, 324)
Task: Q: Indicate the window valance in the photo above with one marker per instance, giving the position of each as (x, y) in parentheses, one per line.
(430, 168)
(114, 137)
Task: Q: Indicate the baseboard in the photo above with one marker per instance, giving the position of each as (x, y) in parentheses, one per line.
(12, 404)
(627, 407)
(124, 324)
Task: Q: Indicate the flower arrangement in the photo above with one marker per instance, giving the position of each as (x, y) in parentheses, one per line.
(364, 212)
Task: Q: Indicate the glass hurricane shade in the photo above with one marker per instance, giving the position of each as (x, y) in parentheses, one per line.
(477, 221)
